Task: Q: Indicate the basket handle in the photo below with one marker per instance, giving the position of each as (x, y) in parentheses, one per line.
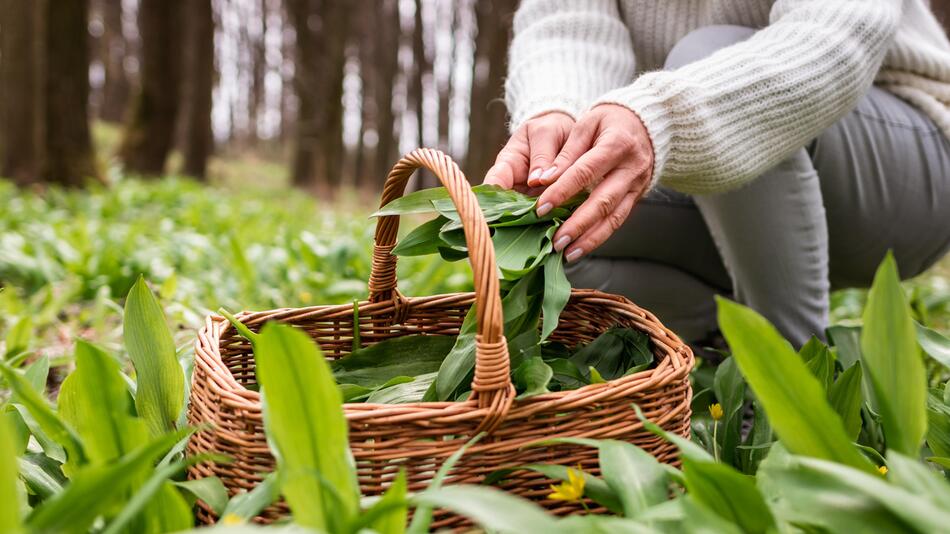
(492, 386)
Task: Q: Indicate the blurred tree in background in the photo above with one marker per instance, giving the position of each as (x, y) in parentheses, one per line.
(335, 90)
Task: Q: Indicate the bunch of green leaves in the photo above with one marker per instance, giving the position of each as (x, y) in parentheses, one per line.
(108, 456)
(533, 284)
(813, 477)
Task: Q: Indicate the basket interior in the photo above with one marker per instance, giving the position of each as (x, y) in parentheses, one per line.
(332, 328)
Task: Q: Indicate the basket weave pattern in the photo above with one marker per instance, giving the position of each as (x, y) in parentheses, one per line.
(419, 437)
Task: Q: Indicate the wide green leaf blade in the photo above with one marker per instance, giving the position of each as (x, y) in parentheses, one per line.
(729, 387)
(246, 506)
(492, 509)
(892, 360)
(47, 420)
(95, 401)
(634, 475)
(377, 364)
(938, 430)
(843, 499)
(303, 414)
(557, 291)
(532, 377)
(390, 512)
(792, 397)
(846, 398)
(422, 240)
(42, 475)
(917, 478)
(935, 344)
(9, 495)
(728, 493)
(209, 489)
(415, 202)
(160, 391)
(95, 488)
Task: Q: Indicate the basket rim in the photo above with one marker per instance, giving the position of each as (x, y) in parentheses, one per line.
(674, 364)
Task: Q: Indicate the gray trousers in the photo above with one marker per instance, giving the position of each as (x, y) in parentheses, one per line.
(823, 219)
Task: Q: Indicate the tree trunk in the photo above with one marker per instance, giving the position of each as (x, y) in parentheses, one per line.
(198, 142)
(150, 130)
(487, 132)
(306, 81)
(116, 87)
(69, 158)
(446, 86)
(258, 71)
(335, 32)
(19, 85)
(387, 64)
(366, 173)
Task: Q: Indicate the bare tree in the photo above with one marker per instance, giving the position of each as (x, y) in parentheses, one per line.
(197, 141)
(113, 51)
(487, 113)
(387, 66)
(150, 129)
(19, 83)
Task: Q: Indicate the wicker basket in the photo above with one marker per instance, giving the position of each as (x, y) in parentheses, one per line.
(419, 437)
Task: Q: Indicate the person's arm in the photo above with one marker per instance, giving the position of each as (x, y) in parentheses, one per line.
(564, 55)
(719, 122)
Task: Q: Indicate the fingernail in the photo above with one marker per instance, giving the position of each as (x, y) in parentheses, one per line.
(547, 174)
(574, 254)
(543, 209)
(535, 174)
(562, 242)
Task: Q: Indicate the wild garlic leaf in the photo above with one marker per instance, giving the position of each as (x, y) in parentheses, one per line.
(557, 291)
(422, 240)
(400, 356)
(532, 377)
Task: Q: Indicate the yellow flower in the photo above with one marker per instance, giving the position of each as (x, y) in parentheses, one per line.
(715, 410)
(232, 519)
(305, 296)
(570, 490)
(882, 469)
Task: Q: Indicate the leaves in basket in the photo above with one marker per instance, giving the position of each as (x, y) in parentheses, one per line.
(557, 291)
(532, 377)
(615, 353)
(404, 392)
(422, 240)
(375, 365)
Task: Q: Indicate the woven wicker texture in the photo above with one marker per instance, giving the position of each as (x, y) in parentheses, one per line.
(419, 437)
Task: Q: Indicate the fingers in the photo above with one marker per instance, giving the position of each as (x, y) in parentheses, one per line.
(583, 173)
(543, 145)
(511, 164)
(603, 230)
(599, 206)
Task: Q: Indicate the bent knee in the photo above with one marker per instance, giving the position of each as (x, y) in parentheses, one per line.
(702, 42)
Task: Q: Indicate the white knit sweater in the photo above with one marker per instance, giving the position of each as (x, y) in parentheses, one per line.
(721, 121)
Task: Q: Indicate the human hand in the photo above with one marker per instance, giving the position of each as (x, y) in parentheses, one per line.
(608, 152)
(530, 152)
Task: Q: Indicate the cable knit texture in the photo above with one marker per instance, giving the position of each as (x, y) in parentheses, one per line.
(719, 122)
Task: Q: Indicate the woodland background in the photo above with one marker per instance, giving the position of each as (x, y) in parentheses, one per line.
(331, 91)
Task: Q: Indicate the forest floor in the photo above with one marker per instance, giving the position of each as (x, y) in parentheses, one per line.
(244, 241)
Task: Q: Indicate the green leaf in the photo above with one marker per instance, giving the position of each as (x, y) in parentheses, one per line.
(819, 360)
(160, 393)
(846, 399)
(492, 509)
(94, 489)
(416, 202)
(594, 488)
(515, 246)
(400, 356)
(614, 353)
(404, 392)
(729, 493)
(847, 343)
(892, 359)
(250, 504)
(389, 513)
(729, 387)
(793, 399)
(759, 441)
(531, 217)
(935, 344)
(422, 517)
(36, 374)
(9, 495)
(18, 337)
(938, 431)
(42, 474)
(632, 474)
(50, 447)
(94, 400)
(47, 420)
(422, 240)
(456, 367)
(687, 448)
(303, 414)
(918, 479)
(532, 377)
(209, 489)
(557, 291)
(842, 499)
